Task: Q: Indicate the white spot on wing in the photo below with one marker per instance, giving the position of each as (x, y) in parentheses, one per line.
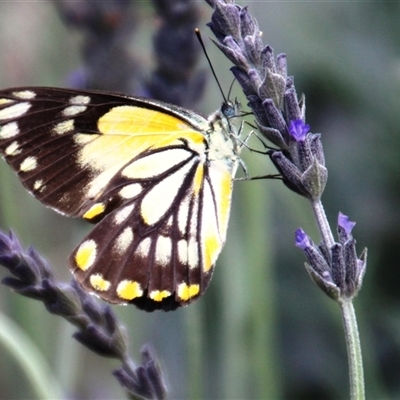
(29, 164)
(5, 101)
(193, 253)
(122, 214)
(160, 198)
(193, 221)
(130, 191)
(183, 215)
(38, 185)
(188, 252)
(155, 164)
(83, 138)
(143, 249)
(9, 130)
(169, 222)
(25, 94)
(163, 250)
(64, 127)
(79, 99)
(124, 240)
(15, 111)
(73, 110)
(13, 149)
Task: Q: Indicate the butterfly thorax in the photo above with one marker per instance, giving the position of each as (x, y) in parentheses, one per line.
(224, 136)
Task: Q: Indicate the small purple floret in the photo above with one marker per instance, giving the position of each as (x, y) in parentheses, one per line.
(345, 223)
(301, 239)
(298, 130)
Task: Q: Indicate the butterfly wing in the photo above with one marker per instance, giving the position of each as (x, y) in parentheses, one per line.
(138, 169)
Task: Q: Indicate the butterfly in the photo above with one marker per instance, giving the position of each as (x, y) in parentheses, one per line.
(155, 179)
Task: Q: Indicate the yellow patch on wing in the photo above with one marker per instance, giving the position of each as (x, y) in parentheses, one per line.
(159, 295)
(212, 247)
(99, 283)
(86, 254)
(186, 292)
(94, 211)
(222, 185)
(210, 229)
(129, 290)
(198, 179)
(5, 101)
(126, 132)
(144, 124)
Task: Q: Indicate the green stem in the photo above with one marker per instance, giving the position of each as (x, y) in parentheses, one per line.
(27, 356)
(357, 391)
(323, 225)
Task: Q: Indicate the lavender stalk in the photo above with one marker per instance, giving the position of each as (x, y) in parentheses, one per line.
(280, 117)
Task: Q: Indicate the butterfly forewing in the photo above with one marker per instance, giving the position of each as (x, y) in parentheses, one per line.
(138, 168)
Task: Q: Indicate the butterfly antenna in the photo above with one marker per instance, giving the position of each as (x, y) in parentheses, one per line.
(200, 39)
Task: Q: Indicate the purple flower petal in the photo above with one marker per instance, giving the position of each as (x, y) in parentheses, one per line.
(345, 223)
(298, 130)
(301, 239)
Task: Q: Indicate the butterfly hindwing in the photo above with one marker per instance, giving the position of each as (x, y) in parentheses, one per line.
(148, 248)
(145, 172)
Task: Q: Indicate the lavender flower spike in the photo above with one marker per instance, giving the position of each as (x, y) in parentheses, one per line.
(337, 270)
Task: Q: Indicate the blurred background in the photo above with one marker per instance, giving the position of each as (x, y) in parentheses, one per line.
(263, 330)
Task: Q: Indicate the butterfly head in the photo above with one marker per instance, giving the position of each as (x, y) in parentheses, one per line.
(226, 118)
